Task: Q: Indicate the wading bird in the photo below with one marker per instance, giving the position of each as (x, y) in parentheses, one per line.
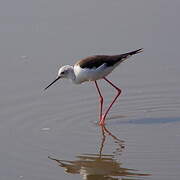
(94, 68)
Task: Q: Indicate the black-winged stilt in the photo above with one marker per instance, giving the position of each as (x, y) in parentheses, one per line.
(94, 68)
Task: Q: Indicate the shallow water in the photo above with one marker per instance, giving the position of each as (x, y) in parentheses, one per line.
(54, 134)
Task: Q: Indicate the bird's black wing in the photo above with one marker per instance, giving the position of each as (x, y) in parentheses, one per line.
(98, 60)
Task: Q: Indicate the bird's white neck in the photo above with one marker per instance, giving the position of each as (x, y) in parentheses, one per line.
(71, 75)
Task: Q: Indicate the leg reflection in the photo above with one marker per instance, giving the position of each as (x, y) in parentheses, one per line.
(99, 166)
(117, 141)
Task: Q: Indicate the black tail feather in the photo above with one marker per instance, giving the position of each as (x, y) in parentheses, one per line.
(123, 57)
(135, 52)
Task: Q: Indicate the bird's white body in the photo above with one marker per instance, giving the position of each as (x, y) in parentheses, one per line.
(86, 74)
(79, 75)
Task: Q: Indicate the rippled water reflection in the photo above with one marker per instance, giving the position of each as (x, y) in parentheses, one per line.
(100, 166)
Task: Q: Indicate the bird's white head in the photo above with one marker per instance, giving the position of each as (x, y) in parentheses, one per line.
(66, 71)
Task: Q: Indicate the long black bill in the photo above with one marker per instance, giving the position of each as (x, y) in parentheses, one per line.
(52, 82)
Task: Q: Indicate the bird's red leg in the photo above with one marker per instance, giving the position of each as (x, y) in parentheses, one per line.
(102, 122)
(100, 100)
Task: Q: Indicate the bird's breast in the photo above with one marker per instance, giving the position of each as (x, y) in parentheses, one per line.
(91, 74)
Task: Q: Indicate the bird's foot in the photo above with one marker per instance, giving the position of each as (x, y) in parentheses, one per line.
(102, 121)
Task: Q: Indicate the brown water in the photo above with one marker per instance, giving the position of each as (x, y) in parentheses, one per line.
(54, 135)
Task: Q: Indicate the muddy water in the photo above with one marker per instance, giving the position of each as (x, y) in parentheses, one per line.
(54, 134)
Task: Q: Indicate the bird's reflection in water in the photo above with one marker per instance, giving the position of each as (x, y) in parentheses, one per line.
(100, 166)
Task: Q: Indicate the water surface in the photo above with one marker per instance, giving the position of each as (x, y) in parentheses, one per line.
(54, 134)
